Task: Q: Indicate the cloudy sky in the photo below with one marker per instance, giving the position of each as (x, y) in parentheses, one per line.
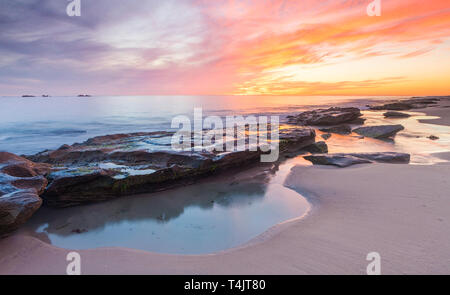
(193, 47)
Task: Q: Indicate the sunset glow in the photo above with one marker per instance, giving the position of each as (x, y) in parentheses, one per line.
(239, 47)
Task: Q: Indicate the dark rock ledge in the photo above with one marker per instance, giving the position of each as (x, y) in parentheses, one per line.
(379, 131)
(408, 104)
(327, 117)
(111, 166)
(345, 160)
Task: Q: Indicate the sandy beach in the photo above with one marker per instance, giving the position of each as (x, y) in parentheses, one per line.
(400, 211)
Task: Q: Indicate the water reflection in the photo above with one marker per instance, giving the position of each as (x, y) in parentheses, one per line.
(210, 216)
(413, 140)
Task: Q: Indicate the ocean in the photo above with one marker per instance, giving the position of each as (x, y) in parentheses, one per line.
(33, 124)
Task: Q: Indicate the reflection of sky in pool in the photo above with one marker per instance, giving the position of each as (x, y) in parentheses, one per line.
(413, 140)
(202, 218)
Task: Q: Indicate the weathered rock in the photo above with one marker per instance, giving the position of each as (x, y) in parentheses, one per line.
(407, 104)
(319, 147)
(339, 160)
(398, 106)
(345, 160)
(341, 129)
(331, 116)
(21, 182)
(357, 121)
(393, 114)
(382, 131)
(295, 139)
(384, 157)
(110, 166)
(16, 208)
(17, 166)
(326, 136)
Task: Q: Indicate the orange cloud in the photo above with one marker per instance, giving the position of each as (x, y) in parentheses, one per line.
(261, 41)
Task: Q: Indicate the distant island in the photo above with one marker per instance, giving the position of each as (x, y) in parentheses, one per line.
(26, 95)
(84, 95)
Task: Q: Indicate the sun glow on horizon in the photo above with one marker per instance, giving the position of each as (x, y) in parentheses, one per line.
(231, 47)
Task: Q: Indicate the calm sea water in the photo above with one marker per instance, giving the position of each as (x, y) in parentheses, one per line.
(30, 125)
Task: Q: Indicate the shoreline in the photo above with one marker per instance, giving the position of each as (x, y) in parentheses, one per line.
(327, 241)
(442, 111)
(407, 224)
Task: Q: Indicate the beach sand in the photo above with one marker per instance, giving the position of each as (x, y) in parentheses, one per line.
(442, 111)
(399, 211)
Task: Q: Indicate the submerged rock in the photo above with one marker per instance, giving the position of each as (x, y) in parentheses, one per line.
(326, 136)
(319, 147)
(385, 157)
(341, 129)
(357, 121)
(21, 183)
(331, 116)
(396, 115)
(381, 131)
(345, 160)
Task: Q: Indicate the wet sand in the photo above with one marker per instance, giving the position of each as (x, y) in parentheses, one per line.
(442, 111)
(400, 211)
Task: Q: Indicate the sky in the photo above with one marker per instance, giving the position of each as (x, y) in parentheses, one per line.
(225, 47)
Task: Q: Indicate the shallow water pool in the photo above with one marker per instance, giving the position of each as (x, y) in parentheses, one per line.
(207, 217)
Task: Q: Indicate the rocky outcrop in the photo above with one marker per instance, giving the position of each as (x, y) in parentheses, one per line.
(339, 160)
(346, 160)
(393, 114)
(358, 121)
(381, 131)
(331, 116)
(326, 136)
(384, 157)
(16, 208)
(319, 147)
(341, 129)
(110, 166)
(407, 104)
(296, 139)
(21, 183)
